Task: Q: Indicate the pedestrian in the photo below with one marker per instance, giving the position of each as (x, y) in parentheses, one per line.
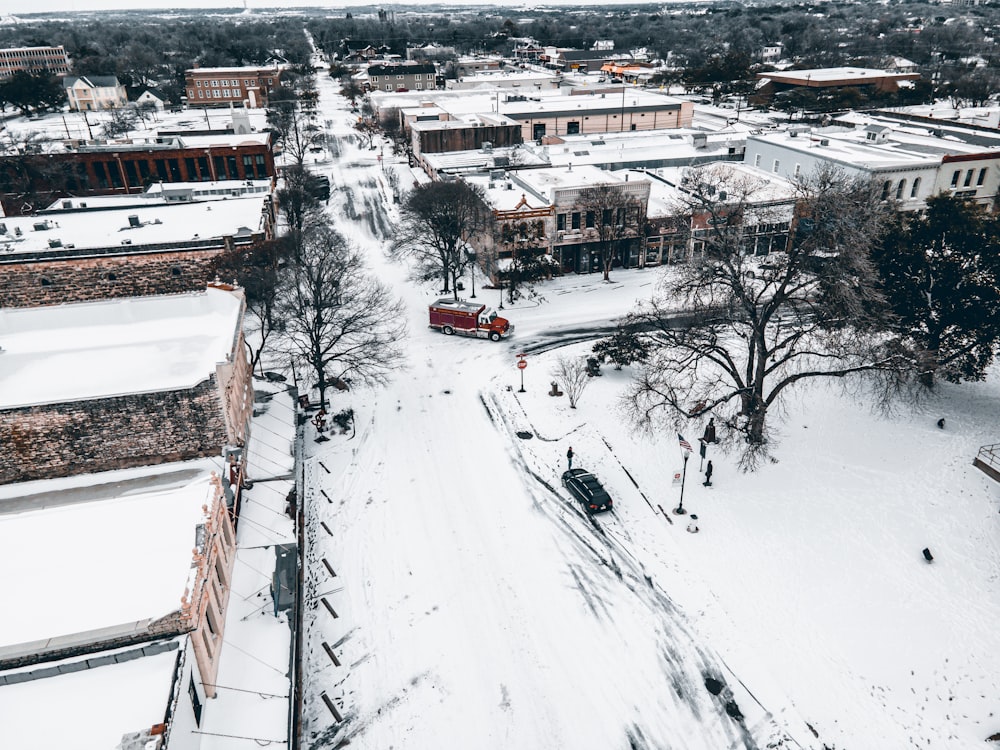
(941, 423)
(708, 475)
(710, 431)
(569, 458)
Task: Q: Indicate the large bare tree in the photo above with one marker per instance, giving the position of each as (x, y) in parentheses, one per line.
(616, 216)
(734, 331)
(340, 322)
(439, 219)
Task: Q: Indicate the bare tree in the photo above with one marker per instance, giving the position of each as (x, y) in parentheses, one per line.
(340, 322)
(617, 216)
(294, 129)
(257, 269)
(119, 122)
(438, 220)
(749, 329)
(299, 205)
(572, 372)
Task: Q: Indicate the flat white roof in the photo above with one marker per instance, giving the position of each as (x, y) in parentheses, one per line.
(833, 74)
(99, 552)
(89, 709)
(903, 147)
(161, 224)
(99, 349)
(154, 194)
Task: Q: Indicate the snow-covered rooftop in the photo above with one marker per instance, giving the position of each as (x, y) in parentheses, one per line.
(903, 147)
(108, 552)
(90, 708)
(160, 193)
(166, 223)
(92, 350)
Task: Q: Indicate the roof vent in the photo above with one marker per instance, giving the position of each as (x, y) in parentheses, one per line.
(824, 142)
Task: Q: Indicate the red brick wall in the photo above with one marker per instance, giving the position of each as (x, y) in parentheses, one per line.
(58, 440)
(82, 279)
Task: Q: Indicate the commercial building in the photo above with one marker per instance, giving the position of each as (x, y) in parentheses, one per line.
(864, 79)
(119, 383)
(76, 252)
(909, 163)
(129, 168)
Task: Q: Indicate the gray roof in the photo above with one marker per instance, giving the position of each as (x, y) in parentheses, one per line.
(92, 81)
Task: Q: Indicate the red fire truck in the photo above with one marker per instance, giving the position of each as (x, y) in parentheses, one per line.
(469, 319)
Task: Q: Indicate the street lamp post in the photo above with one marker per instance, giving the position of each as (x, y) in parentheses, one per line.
(679, 510)
(471, 257)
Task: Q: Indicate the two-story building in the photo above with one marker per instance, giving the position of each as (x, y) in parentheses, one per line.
(88, 93)
(404, 76)
(221, 87)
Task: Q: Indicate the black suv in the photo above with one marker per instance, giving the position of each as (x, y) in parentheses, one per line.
(584, 487)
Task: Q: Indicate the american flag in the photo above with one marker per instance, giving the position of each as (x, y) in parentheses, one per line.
(685, 445)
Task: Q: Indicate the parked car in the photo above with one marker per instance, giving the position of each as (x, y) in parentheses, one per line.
(584, 487)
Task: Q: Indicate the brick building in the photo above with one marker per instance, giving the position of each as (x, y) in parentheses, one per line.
(137, 627)
(122, 383)
(221, 87)
(76, 255)
(33, 60)
(29, 182)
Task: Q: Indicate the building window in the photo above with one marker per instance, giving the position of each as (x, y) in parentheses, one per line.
(886, 187)
(916, 186)
(560, 222)
(955, 176)
(374, 79)
(195, 701)
(591, 216)
(798, 170)
(216, 92)
(214, 83)
(419, 86)
(200, 94)
(982, 177)
(899, 189)
(246, 82)
(225, 93)
(191, 93)
(756, 160)
(775, 166)
(575, 220)
(968, 178)
(198, 84)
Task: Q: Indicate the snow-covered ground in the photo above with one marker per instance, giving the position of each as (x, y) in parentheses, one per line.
(469, 602)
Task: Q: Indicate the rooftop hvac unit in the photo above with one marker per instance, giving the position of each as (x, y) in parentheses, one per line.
(133, 221)
(55, 243)
(41, 226)
(824, 142)
(67, 204)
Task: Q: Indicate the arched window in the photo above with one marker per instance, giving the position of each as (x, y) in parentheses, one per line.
(899, 189)
(886, 187)
(915, 188)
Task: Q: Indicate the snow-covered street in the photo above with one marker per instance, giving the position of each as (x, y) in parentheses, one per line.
(457, 597)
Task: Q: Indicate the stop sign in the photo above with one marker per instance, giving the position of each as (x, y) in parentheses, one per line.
(521, 364)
